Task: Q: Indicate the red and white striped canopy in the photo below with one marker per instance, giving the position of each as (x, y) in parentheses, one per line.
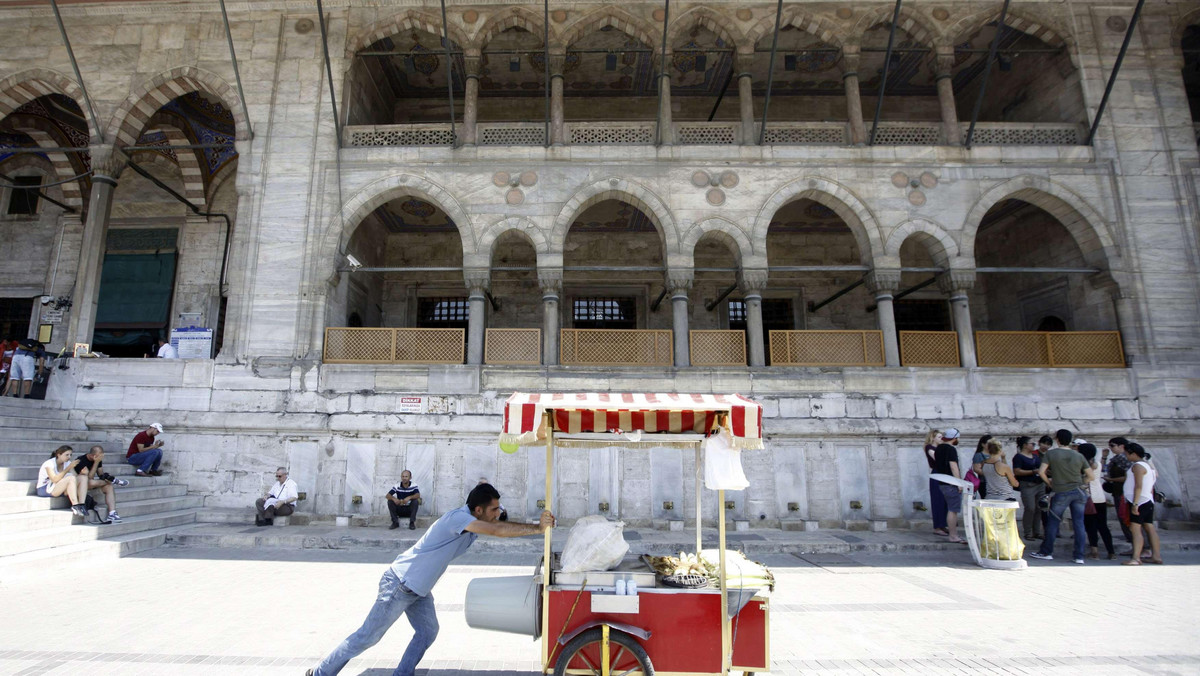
(670, 412)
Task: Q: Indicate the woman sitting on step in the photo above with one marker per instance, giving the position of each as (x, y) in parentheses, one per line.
(54, 479)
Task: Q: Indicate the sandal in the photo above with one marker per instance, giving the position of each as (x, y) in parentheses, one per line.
(1131, 562)
(957, 542)
(938, 531)
(1157, 562)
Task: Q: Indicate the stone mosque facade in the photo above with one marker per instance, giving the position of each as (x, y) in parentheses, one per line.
(864, 220)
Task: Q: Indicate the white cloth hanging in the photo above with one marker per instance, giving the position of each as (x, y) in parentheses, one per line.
(723, 463)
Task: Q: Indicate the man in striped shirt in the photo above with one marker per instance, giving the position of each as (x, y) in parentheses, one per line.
(403, 500)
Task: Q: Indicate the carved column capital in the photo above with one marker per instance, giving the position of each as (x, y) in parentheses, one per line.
(108, 161)
(883, 282)
(558, 58)
(944, 56)
(551, 282)
(679, 282)
(471, 59)
(957, 282)
(477, 280)
(752, 282)
(850, 60)
(743, 61)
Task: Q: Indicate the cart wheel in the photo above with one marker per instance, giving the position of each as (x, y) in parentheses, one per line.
(582, 655)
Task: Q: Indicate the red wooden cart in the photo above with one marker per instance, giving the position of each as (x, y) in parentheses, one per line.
(585, 627)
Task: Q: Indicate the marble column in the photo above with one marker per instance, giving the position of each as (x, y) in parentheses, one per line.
(551, 283)
(239, 277)
(854, 112)
(107, 163)
(753, 282)
(945, 89)
(666, 134)
(471, 98)
(884, 283)
(680, 283)
(956, 284)
(477, 284)
(558, 128)
(742, 62)
(1117, 284)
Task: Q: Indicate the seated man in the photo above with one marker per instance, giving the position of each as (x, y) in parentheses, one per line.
(279, 501)
(90, 477)
(403, 500)
(145, 452)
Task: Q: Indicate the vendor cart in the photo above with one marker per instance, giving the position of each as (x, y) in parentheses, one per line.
(586, 625)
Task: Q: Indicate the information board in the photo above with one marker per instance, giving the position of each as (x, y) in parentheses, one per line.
(193, 342)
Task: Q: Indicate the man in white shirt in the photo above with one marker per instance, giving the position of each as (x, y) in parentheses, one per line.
(279, 501)
(166, 350)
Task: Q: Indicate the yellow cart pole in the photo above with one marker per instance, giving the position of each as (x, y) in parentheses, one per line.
(546, 563)
(605, 667)
(725, 638)
(699, 486)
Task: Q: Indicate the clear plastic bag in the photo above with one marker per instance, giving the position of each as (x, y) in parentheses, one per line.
(595, 543)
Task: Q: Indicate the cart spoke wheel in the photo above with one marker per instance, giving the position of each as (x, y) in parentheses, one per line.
(583, 656)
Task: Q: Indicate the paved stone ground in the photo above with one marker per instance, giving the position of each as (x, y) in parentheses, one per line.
(188, 610)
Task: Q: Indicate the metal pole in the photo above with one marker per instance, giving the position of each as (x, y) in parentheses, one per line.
(78, 77)
(1112, 78)
(449, 74)
(337, 120)
(887, 65)
(721, 95)
(546, 62)
(762, 130)
(717, 301)
(237, 74)
(813, 307)
(910, 290)
(662, 74)
(987, 71)
(547, 563)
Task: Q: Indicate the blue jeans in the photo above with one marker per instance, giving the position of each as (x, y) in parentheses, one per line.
(393, 601)
(146, 460)
(1076, 501)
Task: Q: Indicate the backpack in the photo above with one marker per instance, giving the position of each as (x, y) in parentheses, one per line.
(89, 506)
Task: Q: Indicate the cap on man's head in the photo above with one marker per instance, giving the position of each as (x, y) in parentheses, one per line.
(157, 426)
(1079, 441)
(950, 433)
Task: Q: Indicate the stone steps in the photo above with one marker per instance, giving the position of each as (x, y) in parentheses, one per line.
(40, 561)
(26, 522)
(32, 407)
(12, 419)
(43, 446)
(30, 472)
(59, 536)
(28, 502)
(50, 434)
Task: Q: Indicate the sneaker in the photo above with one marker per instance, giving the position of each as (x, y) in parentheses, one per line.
(78, 510)
(120, 483)
(1044, 557)
(1079, 561)
(114, 517)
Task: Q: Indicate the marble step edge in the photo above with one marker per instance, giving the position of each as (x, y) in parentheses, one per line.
(66, 557)
(128, 494)
(19, 543)
(32, 522)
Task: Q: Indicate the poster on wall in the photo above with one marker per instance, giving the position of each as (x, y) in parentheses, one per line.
(192, 342)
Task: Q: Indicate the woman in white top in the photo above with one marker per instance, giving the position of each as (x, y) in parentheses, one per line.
(1139, 493)
(55, 479)
(1096, 524)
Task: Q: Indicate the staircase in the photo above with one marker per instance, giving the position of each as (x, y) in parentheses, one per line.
(36, 533)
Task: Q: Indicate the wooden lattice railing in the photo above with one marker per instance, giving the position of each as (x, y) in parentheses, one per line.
(1057, 349)
(717, 347)
(615, 347)
(513, 346)
(826, 348)
(344, 345)
(929, 348)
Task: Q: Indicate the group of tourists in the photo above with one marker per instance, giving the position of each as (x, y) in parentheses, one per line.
(1059, 477)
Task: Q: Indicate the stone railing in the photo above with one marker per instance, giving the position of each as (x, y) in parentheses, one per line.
(1054, 349)
(708, 133)
(346, 345)
(610, 133)
(717, 347)
(805, 133)
(1025, 134)
(929, 348)
(826, 348)
(366, 136)
(511, 134)
(908, 134)
(616, 347)
(513, 346)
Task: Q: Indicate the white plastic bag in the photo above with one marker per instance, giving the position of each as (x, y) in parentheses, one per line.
(723, 463)
(595, 543)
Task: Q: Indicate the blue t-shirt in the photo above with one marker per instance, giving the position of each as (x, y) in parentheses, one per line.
(421, 565)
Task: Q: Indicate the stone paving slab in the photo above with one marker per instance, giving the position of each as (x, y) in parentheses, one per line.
(274, 612)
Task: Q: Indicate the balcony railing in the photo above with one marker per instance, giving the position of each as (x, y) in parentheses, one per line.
(513, 346)
(616, 347)
(1055, 349)
(827, 348)
(711, 133)
(929, 348)
(345, 345)
(717, 347)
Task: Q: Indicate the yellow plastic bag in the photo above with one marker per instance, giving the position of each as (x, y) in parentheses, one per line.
(1001, 540)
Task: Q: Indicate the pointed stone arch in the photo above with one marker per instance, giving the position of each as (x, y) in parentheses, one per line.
(1087, 227)
(852, 210)
(911, 22)
(398, 23)
(618, 189)
(941, 246)
(377, 193)
(189, 166)
(20, 88)
(727, 232)
(610, 16)
(1024, 20)
(708, 18)
(64, 169)
(1191, 18)
(529, 230)
(826, 30)
(510, 17)
(134, 114)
